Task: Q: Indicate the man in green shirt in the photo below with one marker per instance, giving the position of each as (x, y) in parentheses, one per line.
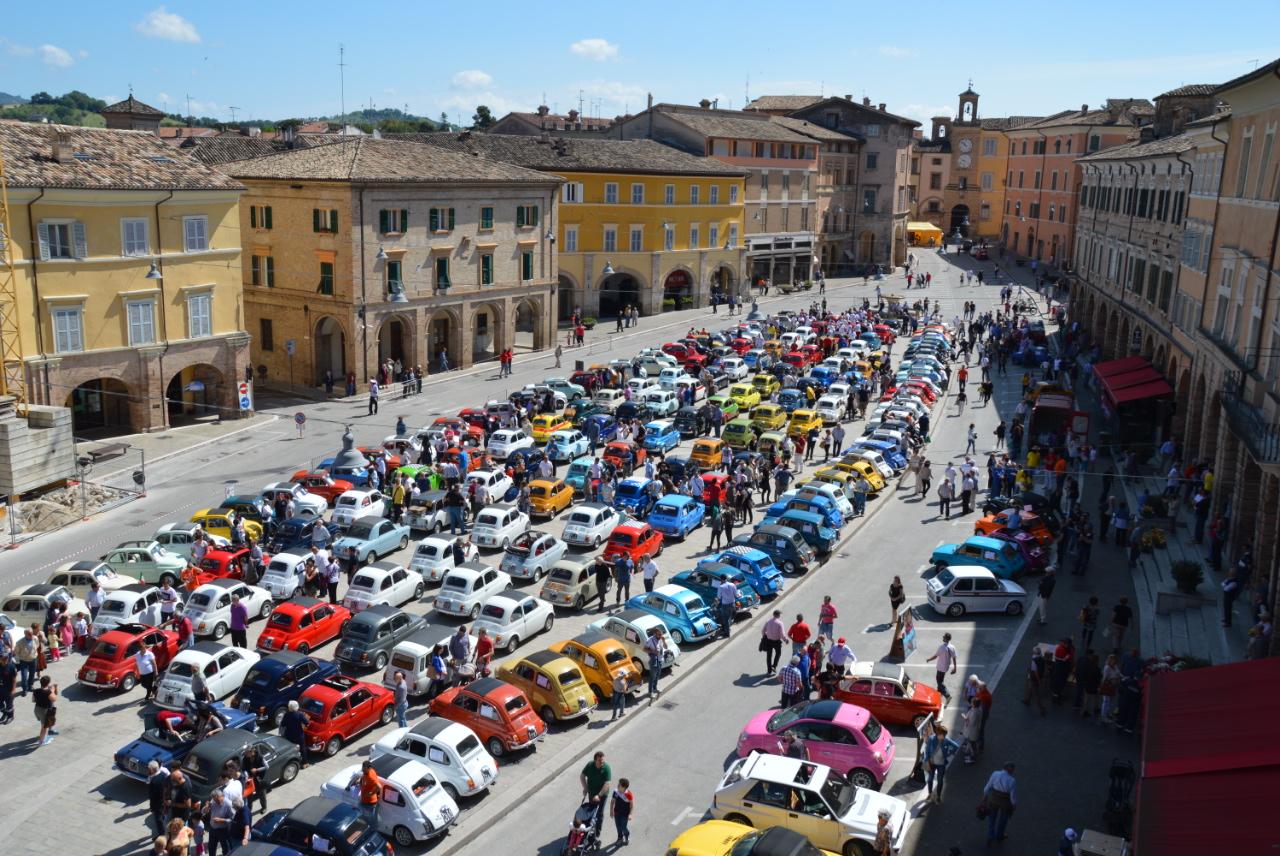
(595, 779)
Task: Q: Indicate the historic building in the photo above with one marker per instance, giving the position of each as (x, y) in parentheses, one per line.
(639, 223)
(368, 249)
(126, 255)
(836, 189)
(544, 120)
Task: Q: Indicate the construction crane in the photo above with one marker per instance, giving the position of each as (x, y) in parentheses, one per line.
(13, 376)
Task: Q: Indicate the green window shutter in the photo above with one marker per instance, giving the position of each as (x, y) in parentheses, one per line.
(271, 272)
(433, 219)
(535, 216)
(519, 216)
(384, 221)
(253, 216)
(315, 219)
(254, 264)
(404, 219)
(451, 220)
(333, 220)
(266, 213)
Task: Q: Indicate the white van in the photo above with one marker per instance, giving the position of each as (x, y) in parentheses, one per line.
(414, 806)
(958, 589)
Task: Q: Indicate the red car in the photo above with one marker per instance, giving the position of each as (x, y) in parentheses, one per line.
(713, 487)
(339, 708)
(625, 456)
(497, 712)
(638, 540)
(110, 665)
(589, 381)
(890, 695)
(372, 453)
(885, 332)
(812, 353)
(684, 354)
(795, 359)
(476, 417)
(741, 346)
(462, 428)
(302, 624)
(217, 565)
(322, 484)
(981, 254)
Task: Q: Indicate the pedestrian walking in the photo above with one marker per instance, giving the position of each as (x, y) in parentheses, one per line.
(144, 663)
(622, 807)
(655, 647)
(293, 728)
(1044, 592)
(799, 634)
(1033, 687)
(1121, 616)
(239, 622)
(1000, 800)
(939, 750)
(373, 396)
(157, 790)
(827, 618)
(46, 709)
(771, 637)
(972, 446)
(1088, 619)
(945, 657)
(401, 690)
(727, 603)
(792, 680)
(1230, 591)
(618, 693)
(946, 492)
(897, 597)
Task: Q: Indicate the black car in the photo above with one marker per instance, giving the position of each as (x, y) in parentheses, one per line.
(629, 410)
(276, 680)
(204, 763)
(690, 422)
(343, 826)
(532, 457)
(680, 468)
(789, 551)
(368, 638)
(291, 536)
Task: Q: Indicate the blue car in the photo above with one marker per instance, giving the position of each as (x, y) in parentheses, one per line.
(821, 505)
(567, 444)
(532, 457)
(889, 451)
(809, 526)
(756, 565)
(824, 375)
(790, 399)
(1002, 558)
(635, 496)
(359, 477)
(292, 536)
(165, 748)
(706, 578)
(661, 436)
(579, 472)
(686, 616)
(372, 537)
(276, 680)
(873, 340)
(606, 427)
(676, 515)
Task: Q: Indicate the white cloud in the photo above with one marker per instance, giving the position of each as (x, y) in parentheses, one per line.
(163, 96)
(923, 113)
(472, 79)
(594, 49)
(160, 23)
(895, 52)
(17, 49)
(55, 56)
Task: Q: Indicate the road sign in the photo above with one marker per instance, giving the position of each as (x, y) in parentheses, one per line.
(291, 347)
(244, 392)
(300, 418)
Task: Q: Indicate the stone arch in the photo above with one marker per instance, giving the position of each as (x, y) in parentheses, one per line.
(959, 220)
(1172, 370)
(395, 340)
(1148, 346)
(568, 297)
(1122, 348)
(101, 406)
(443, 334)
(679, 285)
(487, 337)
(329, 344)
(621, 288)
(528, 331)
(195, 392)
(1112, 330)
(726, 280)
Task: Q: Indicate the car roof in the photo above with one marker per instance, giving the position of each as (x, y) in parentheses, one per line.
(676, 499)
(747, 552)
(384, 566)
(487, 686)
(378, 612)
(430, 727)
(222, 583)
(986, 541)
(880, 669)
(279, 661)
(797, 514)
(209, 648)
(84, 565)
(224, 743)
(314, 811)
(591, 636)
(41, 589)
(969, 571)
(543, 657)
(302, 602)
(135, 588)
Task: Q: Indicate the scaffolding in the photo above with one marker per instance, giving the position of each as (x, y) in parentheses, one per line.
(13, 377)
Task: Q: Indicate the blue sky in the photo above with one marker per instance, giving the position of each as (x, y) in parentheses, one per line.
(279, 59)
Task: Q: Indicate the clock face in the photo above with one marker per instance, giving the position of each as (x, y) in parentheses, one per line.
(966, 145)
(963, 161)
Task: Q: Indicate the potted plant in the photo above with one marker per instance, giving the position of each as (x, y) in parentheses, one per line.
(589, 322)
(668, 304)
(1188, 575)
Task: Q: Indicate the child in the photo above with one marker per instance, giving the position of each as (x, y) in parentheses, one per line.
(622, 806)
(198, 837)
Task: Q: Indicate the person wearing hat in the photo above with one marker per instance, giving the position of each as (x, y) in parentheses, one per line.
(841, 656)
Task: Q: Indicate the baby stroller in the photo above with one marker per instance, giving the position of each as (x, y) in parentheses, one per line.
(584, 832)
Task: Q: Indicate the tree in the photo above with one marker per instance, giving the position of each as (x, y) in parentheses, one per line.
(42, 97)
(482, 119)
(444, 121)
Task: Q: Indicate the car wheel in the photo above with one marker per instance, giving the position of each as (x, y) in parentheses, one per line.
(403, 836)
(917, 721)
(658, 552)
(289, 773)
(265, 612)
(955, 610)
(387, 712)
(303, 648)
(380, 661)
(404, 542)
(548, 715)
(496, 747)
(475, 612)
(332, 746)
(127, 683)
(863, 779)
(418, 591)
(641, 667)
(296, 593)
(856, 848)
(438, 527)
(219, 630)
(737, 818)
(677, 637)
(452, 792)
(1014, 608)
(546, 627)
(579, 602)
(788, 567)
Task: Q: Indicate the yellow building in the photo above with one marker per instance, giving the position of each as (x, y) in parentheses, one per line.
(127, 266)
(639, 223)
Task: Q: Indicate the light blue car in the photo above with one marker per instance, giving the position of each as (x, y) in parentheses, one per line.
(635, 496)
(373, 537)
(676, 515)
(817, 504)
(661, 436)
(567, 444)
(756, 565)
(685, 614)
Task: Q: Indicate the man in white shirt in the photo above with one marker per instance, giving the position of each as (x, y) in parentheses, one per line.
(841, 655)
(946, 657)
(168, 601)
(1000, 795)
(650, 569)
(727, 600)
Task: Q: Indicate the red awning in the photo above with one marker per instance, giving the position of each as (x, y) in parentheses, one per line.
(1127, 364)
(1159, 388)
(1209, 751)
(1131, 379)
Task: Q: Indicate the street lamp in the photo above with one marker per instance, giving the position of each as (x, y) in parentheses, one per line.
(381, 256)
(608, 268)
(154, 273)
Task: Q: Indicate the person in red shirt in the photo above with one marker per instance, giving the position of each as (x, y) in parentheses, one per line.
(370, 792)
(484, 652)
(799, 634)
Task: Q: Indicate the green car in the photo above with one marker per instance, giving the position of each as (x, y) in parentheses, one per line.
(434, 481)
(583, 410)
(727, 406)
(147, 561)
(738, 433)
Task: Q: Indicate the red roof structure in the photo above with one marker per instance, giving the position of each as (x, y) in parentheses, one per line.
(1131, 379)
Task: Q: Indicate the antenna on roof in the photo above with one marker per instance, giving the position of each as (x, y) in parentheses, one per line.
(342, 84)
(1254, 61)
(579, 102)
(233, 114)
(746, 91)
(189, 116)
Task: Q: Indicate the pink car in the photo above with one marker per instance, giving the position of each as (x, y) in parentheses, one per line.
(843, 736)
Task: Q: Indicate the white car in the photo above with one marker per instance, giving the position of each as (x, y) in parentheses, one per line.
(412, 656)
(638, 386)
(177, 538)
(306, 505)
(414, 806)
(504, 441)
(689, 383)
(433, 557)
(452, 751)
(764, 790)
(590, 524)
(531, 555)
(513, 617)
(855, 350)
(496, 482)
(735, 368)
(874, 458)
(209, 606)
(958, 589)
(357, 503)
(223, 667)
(811, 489)
(465, 588)
(138, 603)
(662, 402)
(667, 377)
(404, 447)
(841, 389)
(497, 526)
(830, 408)
(382, 582)
(77, 577)
(631, 627)
(285, 575)
(609, 399)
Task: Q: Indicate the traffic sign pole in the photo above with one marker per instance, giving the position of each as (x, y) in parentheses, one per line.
(300, 419)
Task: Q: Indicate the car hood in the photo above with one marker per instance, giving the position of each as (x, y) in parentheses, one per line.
(865, 811)
(144, 751)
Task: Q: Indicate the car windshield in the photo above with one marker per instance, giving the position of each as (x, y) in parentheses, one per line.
(114, 605)
(201, 599)
(839, 792)
(453, 581)
(360, 530)
(569, 677)
(784, 718)
(945, 577)
(181, 669)
(105, 650)
(313, 706)
(364, 581)
(492, 610)
(467, 746)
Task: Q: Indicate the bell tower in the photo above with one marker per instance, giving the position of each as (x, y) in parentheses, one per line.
(968, 111)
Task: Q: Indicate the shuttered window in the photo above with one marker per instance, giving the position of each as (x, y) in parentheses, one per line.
(442, 220)
(200, 316)
(195, 232)
(133, 237)
(62, 240)
(393, 221)
(486, 269)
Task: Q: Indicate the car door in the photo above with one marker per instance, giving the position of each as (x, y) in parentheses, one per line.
(229, 672)
(988, 596)
(361, 712)
(522, 617)
(809, 815)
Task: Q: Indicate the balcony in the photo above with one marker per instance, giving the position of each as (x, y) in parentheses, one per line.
(1249, 424)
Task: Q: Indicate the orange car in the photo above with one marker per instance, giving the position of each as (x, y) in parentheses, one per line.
(497, 712)
(890, 695)
(1031, 524)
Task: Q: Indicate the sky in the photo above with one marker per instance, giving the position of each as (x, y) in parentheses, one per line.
(275, 60)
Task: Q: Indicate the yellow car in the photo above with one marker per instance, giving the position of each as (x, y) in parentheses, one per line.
(852, 464)
(601, 658)
(746, 396)
(801, 421)
(706, 452)
(768, 417)
(863, 368)
(546, 424)
(726, 838)
(548, 498)
(770, 442)
(215, 521)
(553, 684)
(766, 384)
(774, 347)
(737, 434)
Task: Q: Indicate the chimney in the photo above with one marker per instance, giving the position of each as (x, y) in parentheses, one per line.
(705, 104)
(61, 150)
(866, 102)
(650, 101)
(573, 115)
(848, 98)
(1084, 108)
(543, 109)
(287, 134)
(881, 107)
